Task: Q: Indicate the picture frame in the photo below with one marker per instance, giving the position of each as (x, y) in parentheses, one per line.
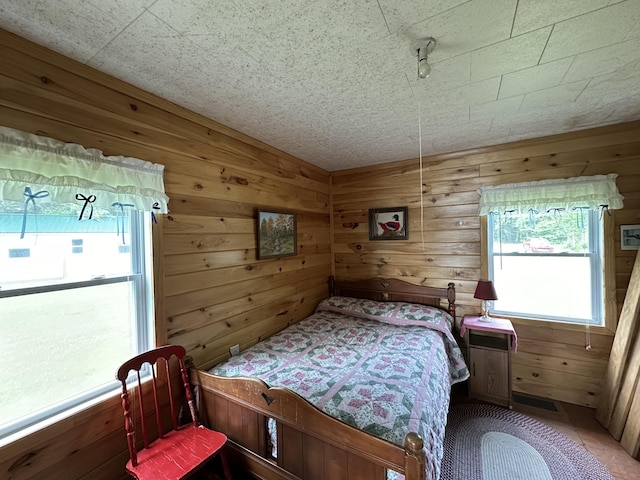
(388, 223)
(277, 234)
(629, 237)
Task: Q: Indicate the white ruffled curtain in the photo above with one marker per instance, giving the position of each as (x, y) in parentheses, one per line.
(36, 169)
(595, 192)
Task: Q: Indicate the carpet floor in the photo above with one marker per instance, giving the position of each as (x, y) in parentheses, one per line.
(488, 442)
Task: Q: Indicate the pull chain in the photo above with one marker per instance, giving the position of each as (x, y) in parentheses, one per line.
(421, 196)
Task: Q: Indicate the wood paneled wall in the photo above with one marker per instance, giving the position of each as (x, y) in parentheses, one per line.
(211, 292)
(552, 360)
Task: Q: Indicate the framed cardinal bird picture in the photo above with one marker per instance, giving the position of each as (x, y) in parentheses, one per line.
(388, 223)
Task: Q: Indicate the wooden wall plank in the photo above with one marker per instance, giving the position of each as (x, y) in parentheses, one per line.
(622, 381)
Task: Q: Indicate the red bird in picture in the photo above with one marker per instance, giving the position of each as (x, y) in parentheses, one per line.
(391, 226)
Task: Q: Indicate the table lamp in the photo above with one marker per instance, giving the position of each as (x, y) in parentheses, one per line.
(486, 293)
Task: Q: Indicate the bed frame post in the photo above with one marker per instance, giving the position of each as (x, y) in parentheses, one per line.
(414, 457)
(332, 285)
(451, 296)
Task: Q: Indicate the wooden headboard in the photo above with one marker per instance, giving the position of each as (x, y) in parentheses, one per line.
(393, 290)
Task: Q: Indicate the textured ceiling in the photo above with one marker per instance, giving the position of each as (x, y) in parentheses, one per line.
(334, 82)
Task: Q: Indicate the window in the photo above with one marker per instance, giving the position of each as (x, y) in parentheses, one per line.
(19, 252)
(68, 321)
(75, 272)
(76, 245)
(548, 266)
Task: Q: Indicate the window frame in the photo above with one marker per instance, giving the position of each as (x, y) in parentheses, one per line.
(142, 296)
(610, 307)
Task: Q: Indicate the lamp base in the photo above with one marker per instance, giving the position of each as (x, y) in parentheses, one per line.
(486, 306)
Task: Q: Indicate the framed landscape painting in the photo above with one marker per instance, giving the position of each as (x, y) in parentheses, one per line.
(277, 234)
(388, 223)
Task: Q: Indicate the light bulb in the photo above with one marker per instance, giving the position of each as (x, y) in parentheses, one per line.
(424, 69)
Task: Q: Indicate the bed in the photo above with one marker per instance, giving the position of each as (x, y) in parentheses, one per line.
(358, 390)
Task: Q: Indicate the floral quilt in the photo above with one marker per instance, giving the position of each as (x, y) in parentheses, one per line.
(383, 367)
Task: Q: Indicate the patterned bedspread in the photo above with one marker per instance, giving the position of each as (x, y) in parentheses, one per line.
(385, 368)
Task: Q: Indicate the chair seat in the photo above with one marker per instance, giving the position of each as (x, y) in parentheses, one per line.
(177, 453)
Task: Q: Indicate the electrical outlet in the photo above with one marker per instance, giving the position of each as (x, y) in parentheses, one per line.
(235, 349)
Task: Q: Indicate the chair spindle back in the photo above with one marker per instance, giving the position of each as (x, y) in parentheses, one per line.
(154, 358)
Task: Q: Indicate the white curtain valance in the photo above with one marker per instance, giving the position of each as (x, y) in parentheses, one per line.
(35, 168)
(593, 192)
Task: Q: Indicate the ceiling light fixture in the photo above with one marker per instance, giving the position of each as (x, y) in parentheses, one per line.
(422, 49)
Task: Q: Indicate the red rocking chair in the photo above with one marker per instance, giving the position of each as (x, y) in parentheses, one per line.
(182, 450)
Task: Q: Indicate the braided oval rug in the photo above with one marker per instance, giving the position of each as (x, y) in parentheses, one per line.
(487, 442)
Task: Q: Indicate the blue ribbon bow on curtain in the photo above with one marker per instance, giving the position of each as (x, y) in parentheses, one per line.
(31, 197)
(580, 216)
(156, 206)
(87, 201)
(120, 219)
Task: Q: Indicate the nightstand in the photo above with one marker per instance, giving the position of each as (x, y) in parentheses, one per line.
(489, 347)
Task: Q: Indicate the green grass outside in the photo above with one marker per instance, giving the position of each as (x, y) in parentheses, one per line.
(58, 344)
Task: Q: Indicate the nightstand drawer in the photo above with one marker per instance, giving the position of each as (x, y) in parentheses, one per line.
(494, 341)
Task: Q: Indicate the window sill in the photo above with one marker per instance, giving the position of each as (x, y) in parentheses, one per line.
(112, 396)
(557, 325)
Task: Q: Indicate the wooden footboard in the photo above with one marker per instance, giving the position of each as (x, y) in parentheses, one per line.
(311, 444)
